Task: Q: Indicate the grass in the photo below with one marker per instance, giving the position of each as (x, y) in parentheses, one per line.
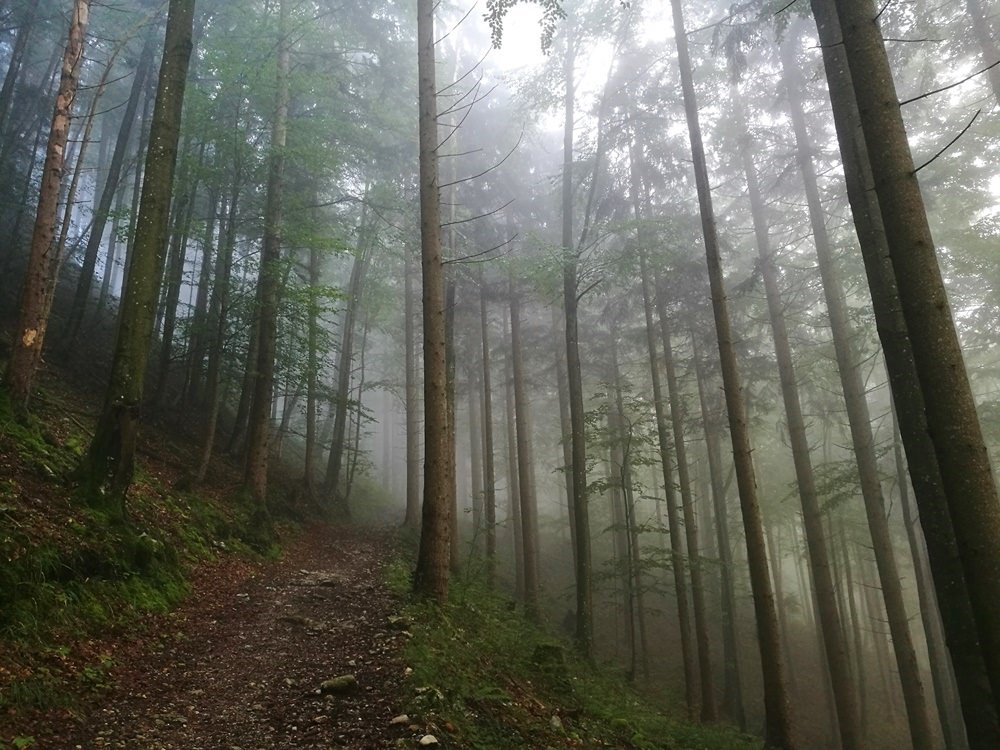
(486, 678)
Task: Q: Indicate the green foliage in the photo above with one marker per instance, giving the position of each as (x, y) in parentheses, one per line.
(484, 671)
(552, 13)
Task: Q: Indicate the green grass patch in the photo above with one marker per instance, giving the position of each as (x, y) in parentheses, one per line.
(484, 677)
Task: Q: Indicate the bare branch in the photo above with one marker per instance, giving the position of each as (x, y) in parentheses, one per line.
(480, 216)
(950, 143)
(950, 85)
(472, 258)
(490, 169)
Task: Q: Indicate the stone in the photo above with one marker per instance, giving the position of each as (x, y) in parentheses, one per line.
(401, 719)
(345, 683)
(427, 740)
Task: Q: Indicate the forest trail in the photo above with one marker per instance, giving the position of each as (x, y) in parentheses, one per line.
(239, 665)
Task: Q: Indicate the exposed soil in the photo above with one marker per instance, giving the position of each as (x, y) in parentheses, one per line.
(239, 666)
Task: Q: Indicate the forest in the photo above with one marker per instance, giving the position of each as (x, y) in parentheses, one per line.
(500, 373)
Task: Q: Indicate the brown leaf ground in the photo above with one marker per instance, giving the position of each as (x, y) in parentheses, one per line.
(239, 665)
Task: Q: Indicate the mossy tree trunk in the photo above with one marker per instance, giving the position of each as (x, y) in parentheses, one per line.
(107, 467)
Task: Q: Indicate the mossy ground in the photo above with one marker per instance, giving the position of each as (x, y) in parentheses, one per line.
(71, 577)
(488, 679)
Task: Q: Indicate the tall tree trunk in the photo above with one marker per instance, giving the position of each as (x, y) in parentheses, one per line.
(688, 652)
(475, 449)
(43, 263)
(732, 697)
(942, 674)
(174, 276)
(677, 415)
(526, 485)
(103, 209)
(831, 628)
(333, 497)
(269, 287)
(489, 472)
(108, 464)
(412, 520)
(513, 472)
(862, 440)
(312, 374)
(633, 554)
(947, 395)
(778, 728)
(431, 576)
(199, 317)
(574, 380)
(218, 315)
(978, 700)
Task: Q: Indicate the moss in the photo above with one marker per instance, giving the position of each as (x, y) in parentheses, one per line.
(482, 668)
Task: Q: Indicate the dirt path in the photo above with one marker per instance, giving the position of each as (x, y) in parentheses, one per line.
(239, 667)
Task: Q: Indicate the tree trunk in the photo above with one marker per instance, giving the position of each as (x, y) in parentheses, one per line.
(412, 520)
(513, 486)
(431, 576)
(218, 314)
(489, 472)
(677, 414)
(108, 465)
(947, 396)
(574, 380)
(778, 729)
(946, 565)
(942, 674)
(40, 277)
(831, 628)
(333, 497)
(862, 440)
(103, 210)
(526, 485)
(269, 288)
(732, 697)
(199, 316)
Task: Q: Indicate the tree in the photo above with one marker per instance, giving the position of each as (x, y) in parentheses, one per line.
(269, 284)
(431, 575)
(947, 396)
(43, 265)
(778, 729)
(106, 469)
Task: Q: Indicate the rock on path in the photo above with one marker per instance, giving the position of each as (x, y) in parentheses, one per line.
(240, 665)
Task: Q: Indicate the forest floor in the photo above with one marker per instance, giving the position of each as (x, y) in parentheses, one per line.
(241, 663)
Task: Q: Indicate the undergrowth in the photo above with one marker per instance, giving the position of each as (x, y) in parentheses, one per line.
(71, 576)
(484, 678)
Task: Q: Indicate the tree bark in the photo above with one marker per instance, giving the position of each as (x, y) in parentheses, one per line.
(732, 697)
(894, 328)
(43, 263)
(574, 380)
(831, 628)
(431, 576)
(948, 402)
(108, 464)
(103, 209)
(412, 520)
(489, 471)
(269, 288)
(526, 485)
